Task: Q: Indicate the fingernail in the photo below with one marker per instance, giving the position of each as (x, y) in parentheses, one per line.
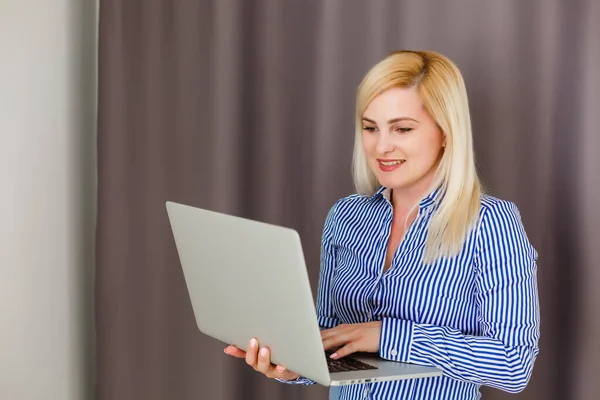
(334, 355)
(253, 343)
(280, 369)
(263, 352)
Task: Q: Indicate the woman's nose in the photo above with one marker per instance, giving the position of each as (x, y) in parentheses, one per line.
(384, 144)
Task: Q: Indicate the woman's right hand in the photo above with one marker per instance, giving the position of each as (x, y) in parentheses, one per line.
(261, 361)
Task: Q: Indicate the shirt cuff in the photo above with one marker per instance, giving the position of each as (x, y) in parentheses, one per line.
(327, 322)
(298, 381)
(396, 339)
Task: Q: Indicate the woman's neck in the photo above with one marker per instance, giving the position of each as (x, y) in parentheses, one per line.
(404, 199)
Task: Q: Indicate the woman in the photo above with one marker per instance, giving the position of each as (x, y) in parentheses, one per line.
(420, 266)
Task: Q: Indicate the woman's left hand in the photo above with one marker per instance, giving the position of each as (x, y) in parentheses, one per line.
(353, 338)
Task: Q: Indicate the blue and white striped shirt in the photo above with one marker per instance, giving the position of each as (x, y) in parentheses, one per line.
(475, 315)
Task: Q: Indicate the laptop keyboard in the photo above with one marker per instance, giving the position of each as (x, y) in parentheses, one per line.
(346, 364)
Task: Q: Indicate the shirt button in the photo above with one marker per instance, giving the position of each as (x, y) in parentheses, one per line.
(394, 352)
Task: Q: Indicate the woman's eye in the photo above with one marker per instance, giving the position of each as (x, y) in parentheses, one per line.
(369, 128)
(403, 130)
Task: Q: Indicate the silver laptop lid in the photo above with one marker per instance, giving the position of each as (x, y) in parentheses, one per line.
(248, 279)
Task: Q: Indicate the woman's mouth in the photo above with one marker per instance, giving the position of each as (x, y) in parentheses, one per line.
(389, 165)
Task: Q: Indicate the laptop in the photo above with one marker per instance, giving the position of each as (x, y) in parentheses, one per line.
(248, 279)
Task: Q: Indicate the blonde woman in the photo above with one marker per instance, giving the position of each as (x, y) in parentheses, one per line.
(421, 266)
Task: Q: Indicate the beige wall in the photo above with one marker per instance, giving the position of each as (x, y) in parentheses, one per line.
(47, 197)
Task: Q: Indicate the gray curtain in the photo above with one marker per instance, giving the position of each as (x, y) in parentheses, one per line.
(246, 107)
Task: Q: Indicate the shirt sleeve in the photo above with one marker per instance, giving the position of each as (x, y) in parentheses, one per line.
(325, 313)
(507, 299)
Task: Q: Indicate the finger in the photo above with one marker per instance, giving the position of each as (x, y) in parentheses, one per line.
(264, 362)
(326, 333)
(276, 371)
(235, 352)
(344, 351)
(280, 369)
(251, 354)
(282, 373)
(338, 340)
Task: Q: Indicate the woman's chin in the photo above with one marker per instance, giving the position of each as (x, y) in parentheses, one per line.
(390, 182)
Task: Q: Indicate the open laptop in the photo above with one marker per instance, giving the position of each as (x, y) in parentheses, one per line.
(248, 279)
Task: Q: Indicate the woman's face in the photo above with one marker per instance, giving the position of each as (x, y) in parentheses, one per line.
(402, 142)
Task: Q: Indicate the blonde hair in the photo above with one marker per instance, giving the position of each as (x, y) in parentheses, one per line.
(442, 89)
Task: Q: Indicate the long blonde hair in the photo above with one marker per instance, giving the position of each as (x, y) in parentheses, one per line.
(442, 89)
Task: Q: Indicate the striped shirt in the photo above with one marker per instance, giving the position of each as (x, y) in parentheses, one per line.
(475, 315)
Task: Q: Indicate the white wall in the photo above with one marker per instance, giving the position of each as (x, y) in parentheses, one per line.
(47, 198)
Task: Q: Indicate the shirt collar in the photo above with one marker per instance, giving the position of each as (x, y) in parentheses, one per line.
(382, 192)
(426, 202)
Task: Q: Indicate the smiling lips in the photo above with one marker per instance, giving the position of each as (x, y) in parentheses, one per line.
(389, 165)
